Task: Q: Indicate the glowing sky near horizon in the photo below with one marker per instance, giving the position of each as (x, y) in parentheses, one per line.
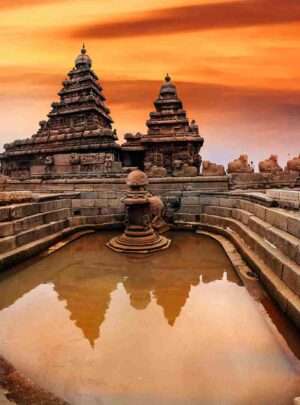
(235, 63)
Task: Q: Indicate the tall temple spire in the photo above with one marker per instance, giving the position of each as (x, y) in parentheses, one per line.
(79, 122)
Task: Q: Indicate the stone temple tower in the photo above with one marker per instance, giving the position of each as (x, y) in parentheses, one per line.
(77, 139)
(172, 143)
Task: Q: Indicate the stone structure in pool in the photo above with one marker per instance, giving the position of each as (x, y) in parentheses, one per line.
(139, 235)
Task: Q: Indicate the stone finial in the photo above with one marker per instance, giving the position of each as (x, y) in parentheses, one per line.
(167, 78)
(240, 165)
(270, 165)
(137, 178)
(83, 58)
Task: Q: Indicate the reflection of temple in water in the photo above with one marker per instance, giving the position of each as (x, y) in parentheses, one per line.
(87, 276)
(87, 294)
(88, 302)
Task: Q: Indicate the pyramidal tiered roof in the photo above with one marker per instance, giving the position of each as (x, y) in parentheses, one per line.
(170, 118)
(79, 118)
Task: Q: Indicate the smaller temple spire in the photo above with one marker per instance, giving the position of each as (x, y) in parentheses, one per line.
(83, 49)
(167, 78)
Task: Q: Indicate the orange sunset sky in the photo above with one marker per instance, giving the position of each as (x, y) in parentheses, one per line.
(236, 65)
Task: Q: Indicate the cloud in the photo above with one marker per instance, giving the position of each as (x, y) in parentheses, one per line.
(13, 4)
(234, 14)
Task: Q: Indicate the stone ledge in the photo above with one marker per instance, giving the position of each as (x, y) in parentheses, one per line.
(284, 267)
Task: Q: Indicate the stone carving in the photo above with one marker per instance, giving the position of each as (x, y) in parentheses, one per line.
(74, 159)
(194, 127)
(270, 165)
(293, 165)
(133, 137)
(154, 170)
(49, 161)
(212, 169)
(158, 210)
(139, 235)
(240, 165)
(181, 169)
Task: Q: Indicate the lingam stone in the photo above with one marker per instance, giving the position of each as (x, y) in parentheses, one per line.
(212, 169)
(240, 165)
(139, 235)
(270, 165)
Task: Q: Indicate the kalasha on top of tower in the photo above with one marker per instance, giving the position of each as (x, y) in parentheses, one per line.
(83, 59)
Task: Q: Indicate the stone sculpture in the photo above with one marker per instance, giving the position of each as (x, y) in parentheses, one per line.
(270, 165)
(181, 169)
(240, 165)
(293, 165)
(158, 209)
(139, 235)
(212, 169)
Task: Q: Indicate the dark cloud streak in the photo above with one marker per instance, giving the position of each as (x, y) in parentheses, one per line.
(234, 14)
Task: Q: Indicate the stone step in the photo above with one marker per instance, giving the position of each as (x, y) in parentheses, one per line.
(288, 221)
(285, 268)
(40, 232)
(288, 300)
(24, 252)
(20, 225)
(12, 242)
(18, 211)
(284, 241)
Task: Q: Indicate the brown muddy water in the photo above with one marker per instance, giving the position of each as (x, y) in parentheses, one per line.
(178, 327)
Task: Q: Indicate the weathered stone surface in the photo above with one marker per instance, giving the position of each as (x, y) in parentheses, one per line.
(258, 226)
(23, 210)
(277, 218)
(6, 229)
(4, 214)
(291, 277)
(241, 215)
(8, 243)
(89, 211)
(212, 169)
(270, 165)
(240, 165)
(293, 165)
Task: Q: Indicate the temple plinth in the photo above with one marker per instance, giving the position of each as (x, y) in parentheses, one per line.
(139, 235)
